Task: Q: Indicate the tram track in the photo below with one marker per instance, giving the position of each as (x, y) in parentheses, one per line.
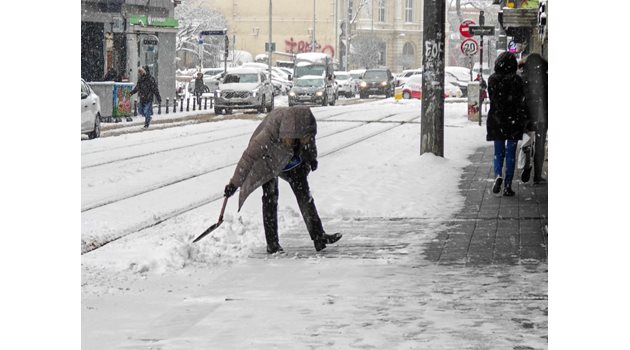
(87, 247)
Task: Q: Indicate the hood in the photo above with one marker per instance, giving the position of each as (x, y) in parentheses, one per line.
(375, 80)
(239, 86)
(297, 123)
(306, 88)
(506, 63)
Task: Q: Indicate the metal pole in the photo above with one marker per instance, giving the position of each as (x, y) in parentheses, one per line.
(347, 31)
(269, 53)
(432, 121)
(313, 39)
(481, 23)
(200, 55)
(225, 55)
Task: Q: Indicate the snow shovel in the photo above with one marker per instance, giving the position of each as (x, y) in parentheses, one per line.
(213, 227)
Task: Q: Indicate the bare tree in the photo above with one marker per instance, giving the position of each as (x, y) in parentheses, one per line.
(194, 18)
(366, 50)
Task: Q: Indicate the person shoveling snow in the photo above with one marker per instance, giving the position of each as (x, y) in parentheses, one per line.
(283, 145)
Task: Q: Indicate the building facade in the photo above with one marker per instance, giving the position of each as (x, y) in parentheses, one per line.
(396, 26)
(126, 34)
(292, 25)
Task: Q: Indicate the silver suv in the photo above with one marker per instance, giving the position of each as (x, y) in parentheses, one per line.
(244, 88)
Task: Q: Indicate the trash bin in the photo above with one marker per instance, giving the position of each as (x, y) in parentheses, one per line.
(473, 101)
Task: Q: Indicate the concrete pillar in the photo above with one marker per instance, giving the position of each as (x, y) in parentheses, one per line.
(132, 57)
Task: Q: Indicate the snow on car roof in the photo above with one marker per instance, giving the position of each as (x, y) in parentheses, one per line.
(244, 70)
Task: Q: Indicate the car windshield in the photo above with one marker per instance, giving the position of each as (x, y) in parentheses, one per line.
(375, 74)
(309, 70)
(241, 78)
(342, 76)
(310, 82)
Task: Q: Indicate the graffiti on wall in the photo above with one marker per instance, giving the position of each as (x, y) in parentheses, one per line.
(293, 46)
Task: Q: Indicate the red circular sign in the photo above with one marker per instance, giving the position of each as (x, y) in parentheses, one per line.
(463, 28)
(469, 47)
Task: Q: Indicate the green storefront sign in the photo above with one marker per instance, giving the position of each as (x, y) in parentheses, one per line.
(150, 21)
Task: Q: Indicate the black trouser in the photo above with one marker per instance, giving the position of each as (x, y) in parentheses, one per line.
(297, 180)
(539, 153)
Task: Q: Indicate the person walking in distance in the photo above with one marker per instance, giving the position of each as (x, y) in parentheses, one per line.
(199, 87)
(506, 118)
(146, 89)
(282, 146)
(535, 86)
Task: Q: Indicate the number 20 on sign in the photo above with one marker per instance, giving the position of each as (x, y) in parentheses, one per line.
(469, 47)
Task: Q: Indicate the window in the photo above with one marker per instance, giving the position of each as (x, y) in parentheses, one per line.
(408, 60)
(408, 10)
(381, 10)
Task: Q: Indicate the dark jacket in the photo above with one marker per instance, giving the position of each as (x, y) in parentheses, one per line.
(507, 115)
(146, 88)
(535, 85)
(199, 85)
(266, 155)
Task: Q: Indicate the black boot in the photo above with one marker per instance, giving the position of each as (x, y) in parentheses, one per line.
(497, 185)
(320, 243)
(507, 191)
(274, 247)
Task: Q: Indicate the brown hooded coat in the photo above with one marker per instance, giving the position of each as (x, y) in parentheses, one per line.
(266, 155)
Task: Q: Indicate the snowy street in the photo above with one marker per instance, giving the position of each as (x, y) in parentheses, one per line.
(146, 195)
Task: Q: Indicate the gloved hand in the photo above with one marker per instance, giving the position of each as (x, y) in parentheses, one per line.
(313, 165)
(229, 190)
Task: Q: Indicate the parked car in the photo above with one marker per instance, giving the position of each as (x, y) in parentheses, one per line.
(452, 79)
(244, 88)
(346, 84)
(377, 81)
(413, 88)
(90, 112)
(405, 75)
(311, 90)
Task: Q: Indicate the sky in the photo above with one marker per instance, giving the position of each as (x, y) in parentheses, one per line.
(42, 175)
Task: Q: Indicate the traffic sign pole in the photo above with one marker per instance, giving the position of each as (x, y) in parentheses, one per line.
(481, 22)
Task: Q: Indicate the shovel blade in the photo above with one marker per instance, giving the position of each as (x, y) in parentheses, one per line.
(207, 231)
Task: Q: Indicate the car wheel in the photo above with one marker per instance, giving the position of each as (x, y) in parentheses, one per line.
(97, 128)
(228, 111)
(406, 95)
(270, 107)
(217, 111)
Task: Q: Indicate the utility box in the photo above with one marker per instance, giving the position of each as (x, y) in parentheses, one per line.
(397, 93)
(116, 101)
(474, 104)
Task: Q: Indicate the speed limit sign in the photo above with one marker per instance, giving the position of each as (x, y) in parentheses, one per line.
(469, 47)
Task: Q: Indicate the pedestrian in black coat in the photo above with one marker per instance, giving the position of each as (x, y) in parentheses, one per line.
(146, 89)
(535, 85)
(506, 118)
